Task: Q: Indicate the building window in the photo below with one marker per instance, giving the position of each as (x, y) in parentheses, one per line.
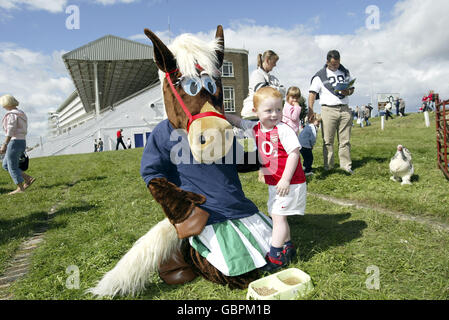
(229, 100)
(227, 69)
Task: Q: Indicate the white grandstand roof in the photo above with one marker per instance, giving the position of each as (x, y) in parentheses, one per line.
(123, 68)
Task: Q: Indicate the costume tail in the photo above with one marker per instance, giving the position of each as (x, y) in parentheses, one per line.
(136, 266)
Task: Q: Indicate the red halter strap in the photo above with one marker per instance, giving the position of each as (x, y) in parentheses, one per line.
(183, 106)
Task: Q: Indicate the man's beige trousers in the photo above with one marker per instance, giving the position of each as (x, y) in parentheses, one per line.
(336, 120)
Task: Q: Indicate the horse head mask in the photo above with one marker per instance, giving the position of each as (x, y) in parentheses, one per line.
(193, 94)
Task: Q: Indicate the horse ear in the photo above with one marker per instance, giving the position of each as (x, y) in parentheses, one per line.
(164, 58)
(220, 53)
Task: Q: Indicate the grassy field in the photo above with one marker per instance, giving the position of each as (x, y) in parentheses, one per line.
(102, 207)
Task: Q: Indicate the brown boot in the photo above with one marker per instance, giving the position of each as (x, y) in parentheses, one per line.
(175, 270)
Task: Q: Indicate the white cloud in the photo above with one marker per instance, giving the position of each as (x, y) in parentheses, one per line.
(109, 2)
(165, 36)
(54, 6)
(413, 48)
(48, 5)
(40, 82)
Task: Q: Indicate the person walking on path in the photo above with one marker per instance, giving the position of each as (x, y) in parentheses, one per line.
(430, 101)
(15, 125)
(367, 114)
(396, 104)
(402, 107)
(120, 140)
(335, 113)
(388, 112)
(100, 145)
(360, 116)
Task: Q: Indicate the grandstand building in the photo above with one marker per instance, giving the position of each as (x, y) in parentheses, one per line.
(117, 87)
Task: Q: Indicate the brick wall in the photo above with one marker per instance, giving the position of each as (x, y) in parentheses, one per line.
(240, 81)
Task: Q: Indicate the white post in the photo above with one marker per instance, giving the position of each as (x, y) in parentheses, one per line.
(97, 95)
(382, 122)
(426, 118)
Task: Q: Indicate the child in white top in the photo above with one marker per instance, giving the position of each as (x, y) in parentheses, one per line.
(278, 147)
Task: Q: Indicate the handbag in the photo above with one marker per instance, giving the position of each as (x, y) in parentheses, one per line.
(24, 161)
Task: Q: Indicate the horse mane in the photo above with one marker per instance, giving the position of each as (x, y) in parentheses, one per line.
(189, 50)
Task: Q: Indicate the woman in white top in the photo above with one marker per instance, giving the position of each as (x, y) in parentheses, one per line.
(261, 78)
(15, 125)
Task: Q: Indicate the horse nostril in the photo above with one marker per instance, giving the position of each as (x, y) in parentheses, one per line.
(202, 139)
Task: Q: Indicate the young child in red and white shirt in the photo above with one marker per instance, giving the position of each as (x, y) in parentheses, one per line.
(278, 148)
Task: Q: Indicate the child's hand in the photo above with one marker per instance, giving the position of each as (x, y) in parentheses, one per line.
(283, 187)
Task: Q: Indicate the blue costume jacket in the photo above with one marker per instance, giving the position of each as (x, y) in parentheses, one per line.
(167, 155)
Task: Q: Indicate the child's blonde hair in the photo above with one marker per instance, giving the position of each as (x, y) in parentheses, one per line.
(294, 92)
(264, 93)
(317, 117)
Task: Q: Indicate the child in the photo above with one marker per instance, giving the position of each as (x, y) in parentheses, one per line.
(307, 139)
(278, 147)
(292, 110)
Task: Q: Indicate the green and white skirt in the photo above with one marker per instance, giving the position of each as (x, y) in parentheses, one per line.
(235, 246)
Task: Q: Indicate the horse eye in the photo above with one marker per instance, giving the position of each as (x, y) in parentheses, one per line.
(209, 84)
(202, 139)
(191, 86)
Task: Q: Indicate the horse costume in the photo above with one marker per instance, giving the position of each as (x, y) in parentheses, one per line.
(190, 167)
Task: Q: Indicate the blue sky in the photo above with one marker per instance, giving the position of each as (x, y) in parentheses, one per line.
(407, 53)
(45, 31)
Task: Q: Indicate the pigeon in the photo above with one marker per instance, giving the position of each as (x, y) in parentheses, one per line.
(401, 165)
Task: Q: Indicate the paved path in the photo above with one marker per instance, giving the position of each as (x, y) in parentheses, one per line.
(19, 265)
(401, 216)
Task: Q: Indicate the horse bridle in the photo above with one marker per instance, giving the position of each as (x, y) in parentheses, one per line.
(186, 111)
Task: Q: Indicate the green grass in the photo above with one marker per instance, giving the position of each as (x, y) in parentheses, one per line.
(371, 152)
(102, 207)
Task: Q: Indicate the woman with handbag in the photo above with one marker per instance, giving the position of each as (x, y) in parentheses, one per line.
(15, 123)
